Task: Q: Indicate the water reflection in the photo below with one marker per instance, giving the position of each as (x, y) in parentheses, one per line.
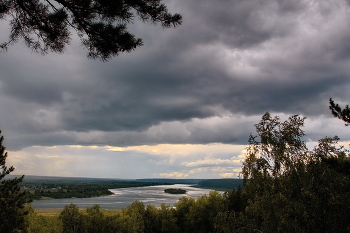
(122, 198)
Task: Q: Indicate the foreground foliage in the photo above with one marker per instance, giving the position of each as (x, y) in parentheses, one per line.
(190, 215)
(292, 189)
(12, 199)
(100, 24)
(341, 113)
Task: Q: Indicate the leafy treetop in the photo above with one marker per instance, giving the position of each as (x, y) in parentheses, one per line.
(101, 24)
(289, 188)
(279, 150)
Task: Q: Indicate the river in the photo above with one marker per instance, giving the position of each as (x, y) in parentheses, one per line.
(123, 197)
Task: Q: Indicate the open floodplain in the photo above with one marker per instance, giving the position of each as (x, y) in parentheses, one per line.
(123, 197)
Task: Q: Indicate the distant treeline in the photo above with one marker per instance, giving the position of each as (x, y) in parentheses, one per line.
(70, 191)
(220, 184)
(76, 187)
(217, 184)
(172, 181)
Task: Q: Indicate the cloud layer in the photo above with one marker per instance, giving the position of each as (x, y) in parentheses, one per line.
(208, 81)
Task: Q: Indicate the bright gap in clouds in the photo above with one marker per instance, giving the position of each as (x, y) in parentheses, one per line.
(212, 160)
(164, 160)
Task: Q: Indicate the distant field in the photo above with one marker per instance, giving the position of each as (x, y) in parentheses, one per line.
(57, 211)
(49, 211)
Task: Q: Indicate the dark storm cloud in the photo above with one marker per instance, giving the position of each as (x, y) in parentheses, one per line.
(229, 58)
(239, 23)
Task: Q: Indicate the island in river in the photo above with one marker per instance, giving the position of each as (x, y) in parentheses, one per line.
(175, 191)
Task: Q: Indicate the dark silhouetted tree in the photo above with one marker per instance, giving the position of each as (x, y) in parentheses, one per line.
(100, 24)
(293, 189)
(12, 199)
(337, 111)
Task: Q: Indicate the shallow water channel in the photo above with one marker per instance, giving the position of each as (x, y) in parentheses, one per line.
(123, 197)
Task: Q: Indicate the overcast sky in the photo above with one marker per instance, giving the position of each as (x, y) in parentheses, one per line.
(184, 104)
